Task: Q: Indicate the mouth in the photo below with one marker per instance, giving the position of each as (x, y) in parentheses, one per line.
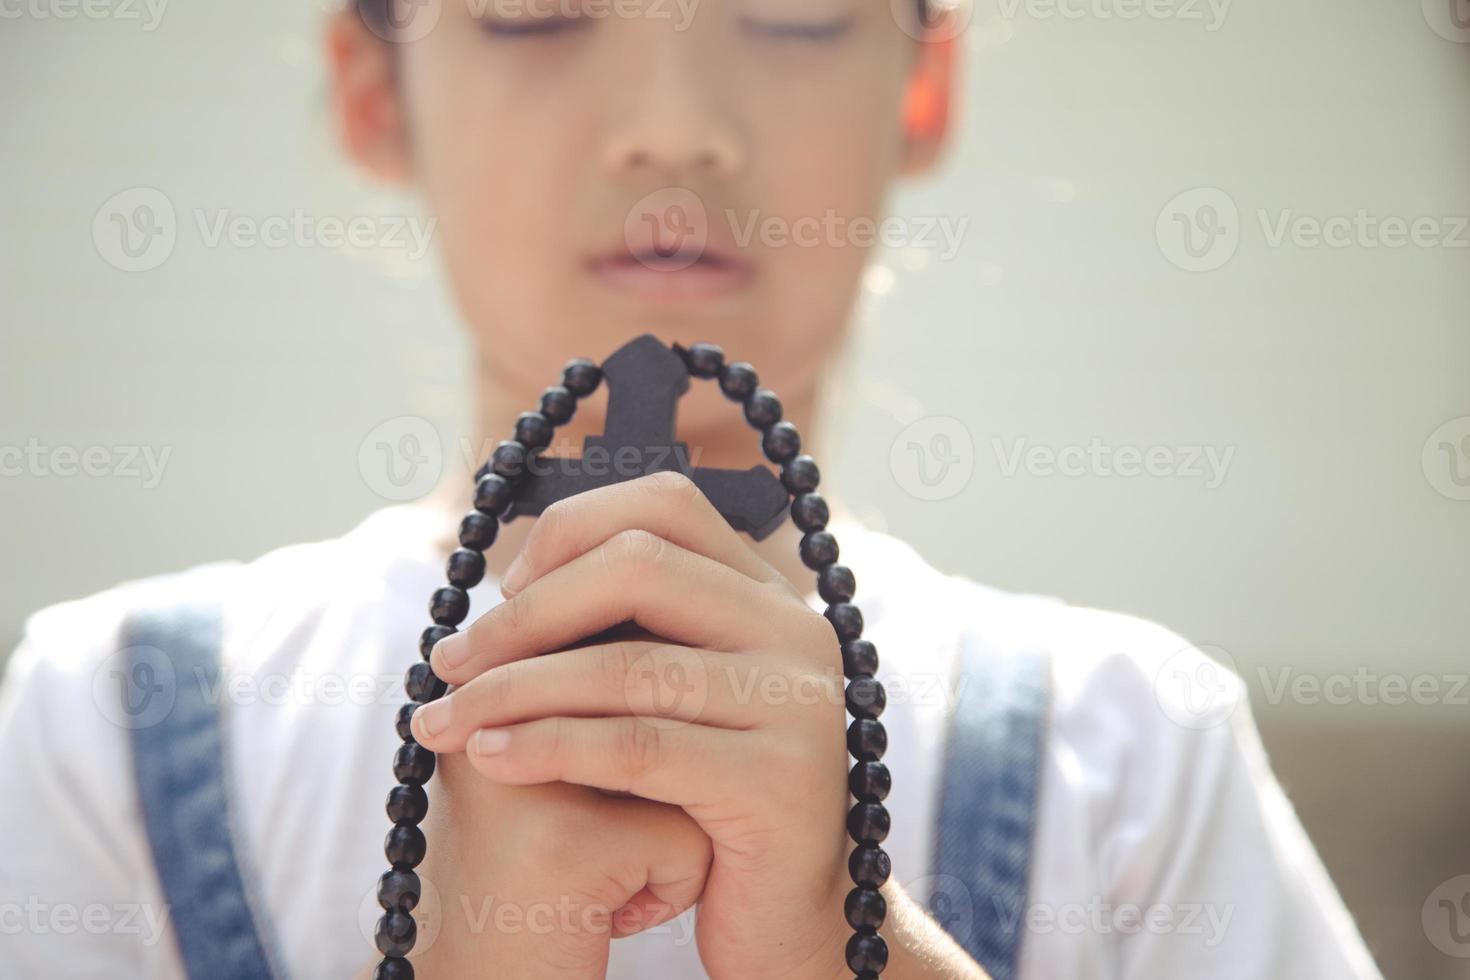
(683, 273)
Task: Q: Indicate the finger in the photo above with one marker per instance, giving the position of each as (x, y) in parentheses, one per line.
(668, 590)
(687, 766)
(667, 504)
(672, 865)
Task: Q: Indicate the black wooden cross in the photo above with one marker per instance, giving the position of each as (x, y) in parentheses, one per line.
(644, 382)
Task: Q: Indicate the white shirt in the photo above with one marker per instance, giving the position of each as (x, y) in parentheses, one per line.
(1164, 847)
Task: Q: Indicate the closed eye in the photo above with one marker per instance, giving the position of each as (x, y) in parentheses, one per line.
(796, 30)
(532, 26)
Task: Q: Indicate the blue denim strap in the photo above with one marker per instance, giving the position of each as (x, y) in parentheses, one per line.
(987, 810)
(179, 762)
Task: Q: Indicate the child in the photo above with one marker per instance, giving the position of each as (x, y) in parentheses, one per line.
(1060, 806)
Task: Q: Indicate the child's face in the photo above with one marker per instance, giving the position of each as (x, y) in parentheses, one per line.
(700, 169)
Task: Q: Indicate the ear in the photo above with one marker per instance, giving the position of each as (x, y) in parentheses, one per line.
(366, 101)
(930, 95)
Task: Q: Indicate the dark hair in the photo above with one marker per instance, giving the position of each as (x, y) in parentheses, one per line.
(375, 14)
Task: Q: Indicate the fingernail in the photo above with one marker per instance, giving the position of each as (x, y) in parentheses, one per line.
(452, 651)
(516, 576)
(432, 718)
(489, 741)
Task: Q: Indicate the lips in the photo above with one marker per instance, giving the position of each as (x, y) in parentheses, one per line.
(688, 270)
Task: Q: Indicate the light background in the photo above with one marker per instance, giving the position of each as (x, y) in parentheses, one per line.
(1332, 546)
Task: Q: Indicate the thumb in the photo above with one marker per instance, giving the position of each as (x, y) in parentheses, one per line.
(663, 868)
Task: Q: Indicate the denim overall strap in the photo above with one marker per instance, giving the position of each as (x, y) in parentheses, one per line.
(179, 763)
(987, 808)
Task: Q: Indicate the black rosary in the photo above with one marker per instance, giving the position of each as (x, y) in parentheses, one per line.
(645, 379)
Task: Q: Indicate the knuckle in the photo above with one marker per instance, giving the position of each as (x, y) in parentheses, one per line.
(639, 746)
(516, 613)
(633, 547)
(674, 484)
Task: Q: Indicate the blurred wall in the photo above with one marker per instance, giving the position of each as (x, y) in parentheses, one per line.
(1182, 257)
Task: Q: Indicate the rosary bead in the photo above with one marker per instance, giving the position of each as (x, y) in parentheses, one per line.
(558, 404)
(781, 443)
(739, 381)
(836, 583)
(509, 459)
(867, 952)
(396, 933)
(846, 619)
(394, 968)
(407, 804)
(809, 512)
(869, 782)
(399, 890)
(534, 429)
(413, 764)
(868, 823)
(478, 531)
(449, 606)
(405, 715)
(869, 866)
(763, 409)
(465, 569)
(493, 494)
(800, 475)
(433, 635)
(422, 684)
(581, 377)
(859, 657)
(865, 908)
(818, 550)
(703, 360)
(867, 740)
(404, 846)
(866, 697)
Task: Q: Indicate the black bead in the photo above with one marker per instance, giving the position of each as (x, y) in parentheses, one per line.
(394, 968)
(702, 360)
(869, 866)
(867, 740)
(413, 764)
(407, 804)
(868, 823)
(405, 715)
(869, 782)
(478, 531)
(399, 890)
(405, 846)
(558, 404)
(449, 606)
(433, 635)
(809, 512)
(466, 568)
(422, 684)
(739, 381)
(534, 429)
(763, 409)
(867, 952)
(866, 697)
(581, 377)
(859, 657)
(836, 583)
(781, 442)
(395, 933)
(865, 908)
(818, 550)
(800, 475)
(493, 494)
(509, 459)
(846, 619)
